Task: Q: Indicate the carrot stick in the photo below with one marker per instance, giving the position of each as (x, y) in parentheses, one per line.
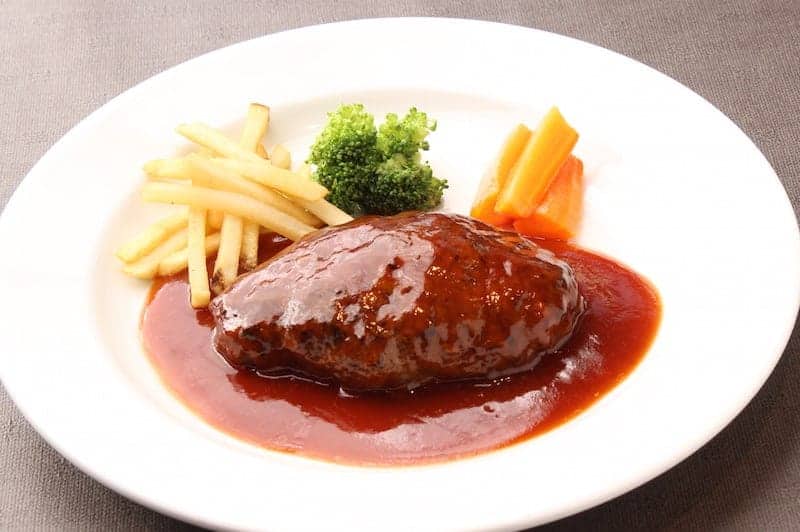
(559, 214)
(543, 155)
(483, 208)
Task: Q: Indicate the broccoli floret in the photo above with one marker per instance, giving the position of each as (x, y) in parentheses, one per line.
(346, 156)
(406, 136)
(403, 185)
(376, 171)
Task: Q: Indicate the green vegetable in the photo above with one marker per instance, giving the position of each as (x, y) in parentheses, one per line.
(371, 170)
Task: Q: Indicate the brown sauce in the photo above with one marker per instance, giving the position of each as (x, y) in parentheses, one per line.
(435, 423)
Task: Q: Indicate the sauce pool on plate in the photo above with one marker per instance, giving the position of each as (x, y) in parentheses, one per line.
(433, 423)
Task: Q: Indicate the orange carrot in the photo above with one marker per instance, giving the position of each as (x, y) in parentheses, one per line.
(483, 208)
(543, 155)
(559, 214)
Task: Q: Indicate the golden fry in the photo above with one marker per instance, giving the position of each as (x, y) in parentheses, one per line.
(249, 252)
(215, 174)
(326, 211)
(214, 219)
(226, 265)
(255, 127)
(177, 262)
(217, 141)
(147, 266)
(176, 168)
(196, 258)
(228, 186)
(211, 174)
(150, 238)
(281, 157)
(285, 181)
(323, 209)
(202, 151)
(229, 202)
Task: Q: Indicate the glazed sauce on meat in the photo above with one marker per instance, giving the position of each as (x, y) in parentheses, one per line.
(434, 423)
(398, 302)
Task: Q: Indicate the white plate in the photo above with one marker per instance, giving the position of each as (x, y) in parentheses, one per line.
(675, 190)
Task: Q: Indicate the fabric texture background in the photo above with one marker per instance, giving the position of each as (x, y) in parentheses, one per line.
(63, 59)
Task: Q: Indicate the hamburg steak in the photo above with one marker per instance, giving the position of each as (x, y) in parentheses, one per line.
(399, 301)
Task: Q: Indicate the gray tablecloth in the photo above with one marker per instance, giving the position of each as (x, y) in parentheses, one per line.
(63, 59)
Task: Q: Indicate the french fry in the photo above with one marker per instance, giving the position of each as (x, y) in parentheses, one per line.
(214, 219)
(281, 157)
(285, 181)
(249, 251)
(177, 261)
(229, 186)
(205, 152)
(229, 202)
(326, 211)
(216, 141)
(255, 127)
(196, 258)
(323, 209)
(150, 238)
(181, 170)
(176, 168)
(211, 174)
(147, 266)
(226, 265)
